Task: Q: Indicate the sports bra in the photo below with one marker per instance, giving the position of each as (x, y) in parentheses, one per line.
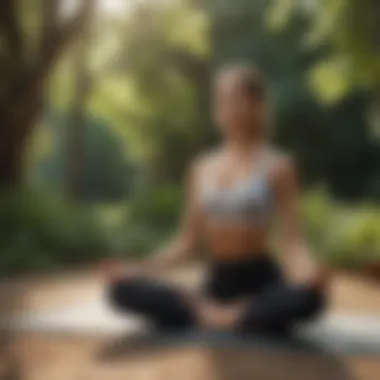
(249, 203)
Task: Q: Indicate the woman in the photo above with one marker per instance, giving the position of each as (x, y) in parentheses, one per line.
(234, 195)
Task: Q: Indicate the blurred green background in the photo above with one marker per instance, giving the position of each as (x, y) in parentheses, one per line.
(103, 103)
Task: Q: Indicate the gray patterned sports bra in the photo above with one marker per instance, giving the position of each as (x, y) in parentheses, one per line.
(250, 203)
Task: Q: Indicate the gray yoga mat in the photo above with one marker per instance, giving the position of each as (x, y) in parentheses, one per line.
(337, 334)
(315, 339)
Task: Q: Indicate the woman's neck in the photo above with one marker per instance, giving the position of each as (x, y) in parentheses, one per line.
(242, 146)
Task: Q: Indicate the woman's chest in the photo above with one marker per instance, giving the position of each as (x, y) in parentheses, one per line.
(248, 196)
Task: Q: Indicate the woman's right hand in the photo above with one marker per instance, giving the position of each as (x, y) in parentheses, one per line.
(213, 315)
(114, 270)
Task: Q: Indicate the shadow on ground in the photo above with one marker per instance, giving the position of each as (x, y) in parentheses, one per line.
(221, 358)
(11, 299)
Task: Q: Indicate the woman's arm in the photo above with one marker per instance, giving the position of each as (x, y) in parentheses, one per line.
(187, 238)
(303, 265)
(179, 248)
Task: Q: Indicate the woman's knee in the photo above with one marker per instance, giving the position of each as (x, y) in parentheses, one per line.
(121, 293)
(313, 301)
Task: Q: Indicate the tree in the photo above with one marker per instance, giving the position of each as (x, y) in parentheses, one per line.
(26, 60)
(76, 136)
(347, 30)
(156, 87)
(345, 80)
(108, 174)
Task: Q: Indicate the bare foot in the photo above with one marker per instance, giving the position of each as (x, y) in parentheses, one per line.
(218, 316)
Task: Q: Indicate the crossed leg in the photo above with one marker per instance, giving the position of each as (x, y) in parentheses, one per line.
(277, 309)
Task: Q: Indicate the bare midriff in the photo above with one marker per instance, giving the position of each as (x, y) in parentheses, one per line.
(236, 243)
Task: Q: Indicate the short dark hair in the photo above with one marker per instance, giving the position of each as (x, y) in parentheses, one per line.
(250, 76)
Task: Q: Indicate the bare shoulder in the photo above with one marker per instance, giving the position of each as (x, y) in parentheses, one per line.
(283, 164)
(205, 163)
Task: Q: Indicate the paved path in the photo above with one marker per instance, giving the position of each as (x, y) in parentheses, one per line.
(76, 302)
(352, 295)
(77, 305)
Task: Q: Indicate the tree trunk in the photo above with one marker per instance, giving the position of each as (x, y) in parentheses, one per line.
(11, 165)
(76, 131)
(22, 102)
(16, 133)
(76, 138)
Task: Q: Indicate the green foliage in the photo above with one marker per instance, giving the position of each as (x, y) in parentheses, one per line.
(348, 30)
(332, 144)
(361, 236)
(151, 218)
(159, 207)
(343, 236)
(319, 216)
(151, 73)
(330, 80)
(108, 171)
(41, 231)
(155, 87)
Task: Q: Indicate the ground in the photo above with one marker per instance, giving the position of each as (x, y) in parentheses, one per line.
(38, 357)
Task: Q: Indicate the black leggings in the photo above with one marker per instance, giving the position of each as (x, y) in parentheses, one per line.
(275, 307)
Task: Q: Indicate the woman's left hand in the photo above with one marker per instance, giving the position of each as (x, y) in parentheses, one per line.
(214, 315)
(322, 279)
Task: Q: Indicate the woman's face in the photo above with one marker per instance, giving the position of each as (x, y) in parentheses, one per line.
(235, 111)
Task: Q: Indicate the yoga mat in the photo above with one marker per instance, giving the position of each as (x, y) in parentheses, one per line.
(341, 334)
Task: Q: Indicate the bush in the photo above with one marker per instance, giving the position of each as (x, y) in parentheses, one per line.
(39, 231)
(360, 237)
(342, 235)
(158, 207)
(151, 219)
(318, 216)
(108, 171)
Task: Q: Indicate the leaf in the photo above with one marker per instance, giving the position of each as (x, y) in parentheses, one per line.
(279, 14)
(327, 19)
(331, 80)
